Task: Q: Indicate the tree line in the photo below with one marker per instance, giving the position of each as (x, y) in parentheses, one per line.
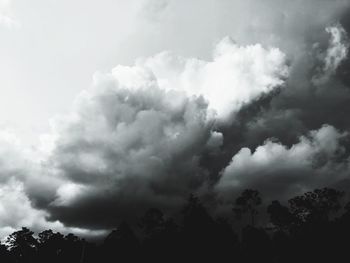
(313, 227)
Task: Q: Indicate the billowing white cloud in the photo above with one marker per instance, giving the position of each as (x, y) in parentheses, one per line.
(139, 132)
(285, 170)
(139, 136)
(236, 75)
(127, 138)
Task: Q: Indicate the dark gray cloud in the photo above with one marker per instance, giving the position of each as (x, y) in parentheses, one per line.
(136, 139)
(316, 160)
(148, 135)
(314, 95)
(275, 143)
(134, 149)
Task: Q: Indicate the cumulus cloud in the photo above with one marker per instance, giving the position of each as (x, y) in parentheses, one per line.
(16, 211)
(149, 134)
(282, 171)
(315, 94)
(127, 143)
(136, 138)
(23, 183)
(236, 76)
(297, 159)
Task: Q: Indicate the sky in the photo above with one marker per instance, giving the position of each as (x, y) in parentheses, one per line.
(110, 107)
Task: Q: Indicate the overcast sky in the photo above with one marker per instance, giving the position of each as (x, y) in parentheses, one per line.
(109, 107)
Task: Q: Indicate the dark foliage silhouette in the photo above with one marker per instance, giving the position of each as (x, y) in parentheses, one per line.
(50, 246)
(317, 205)
(313, 227)
(280, 216)
(22, 245)
(247, 203)
(121, 243)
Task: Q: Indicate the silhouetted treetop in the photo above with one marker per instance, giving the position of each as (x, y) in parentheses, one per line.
(317, 205)
(195, 215)
(280, 216)
(152, 221)
(304, 231)
(247, 203)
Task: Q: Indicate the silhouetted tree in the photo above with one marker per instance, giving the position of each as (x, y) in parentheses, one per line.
(306, 231)
(341, 235)
(73, 248)
(22, 245)
(161, 236)
(198, 230)
(4, 254)
(195, 215)
(256, 245)
(152, 223)
(121, 243)
(50, 246)
(226, 242)
(247, 203)
(317, 205)
(283, 247)
(314, 238)
(280, 216)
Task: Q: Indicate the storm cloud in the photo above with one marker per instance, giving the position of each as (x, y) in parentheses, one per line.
(268, 110)
(136, 138)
